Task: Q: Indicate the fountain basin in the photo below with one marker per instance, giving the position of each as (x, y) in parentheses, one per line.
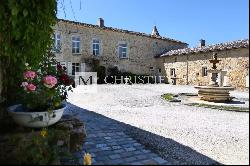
(215, 94)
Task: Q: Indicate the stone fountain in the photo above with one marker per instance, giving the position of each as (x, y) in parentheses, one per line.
(213, 92)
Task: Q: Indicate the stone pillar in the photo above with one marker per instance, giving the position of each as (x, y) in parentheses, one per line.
(221, 78)
(226, 81)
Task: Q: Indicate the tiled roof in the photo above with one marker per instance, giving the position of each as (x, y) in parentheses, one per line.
(121, 30)
(216, 47)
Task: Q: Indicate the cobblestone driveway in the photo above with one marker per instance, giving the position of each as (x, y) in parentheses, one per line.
(109, 145)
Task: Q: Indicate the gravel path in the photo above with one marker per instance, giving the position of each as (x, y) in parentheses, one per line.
(219, 135)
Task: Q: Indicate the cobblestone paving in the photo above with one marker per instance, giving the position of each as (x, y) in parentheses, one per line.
(109, 145)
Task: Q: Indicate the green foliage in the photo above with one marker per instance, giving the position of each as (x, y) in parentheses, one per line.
(25, 36)
(168, 96)
(40, 148)
(101, 71)
(220, 107)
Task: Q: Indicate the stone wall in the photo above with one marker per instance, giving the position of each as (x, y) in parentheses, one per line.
(141, 49)
(189, 67)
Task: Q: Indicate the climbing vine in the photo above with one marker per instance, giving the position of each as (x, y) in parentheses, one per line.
(26, 27)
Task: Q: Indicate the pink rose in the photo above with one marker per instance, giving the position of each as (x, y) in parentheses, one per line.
(29, 75)
(49, 81)
(31, 87)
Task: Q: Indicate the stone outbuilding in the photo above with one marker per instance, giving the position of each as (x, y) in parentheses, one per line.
(190, 65)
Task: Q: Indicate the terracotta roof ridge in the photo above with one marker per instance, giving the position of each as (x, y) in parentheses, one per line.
(122, 31)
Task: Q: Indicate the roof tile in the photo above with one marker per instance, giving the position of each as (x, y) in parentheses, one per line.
(121, 30)
(217, 47)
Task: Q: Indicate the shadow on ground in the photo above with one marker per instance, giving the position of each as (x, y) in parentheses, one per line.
(170, 150)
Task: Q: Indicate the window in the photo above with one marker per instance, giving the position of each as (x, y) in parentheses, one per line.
(155, 44)
(172, 72)
(75, 45)
(204, 71)
(96, 47)
(57, 42)
(151, 68)
(75, 68)
(123, 51)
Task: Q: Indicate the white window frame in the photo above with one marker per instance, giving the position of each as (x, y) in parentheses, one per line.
(57, 42)
(121, 46)
(74, 67)
(204, 71)
(77, 40)
(94, 49)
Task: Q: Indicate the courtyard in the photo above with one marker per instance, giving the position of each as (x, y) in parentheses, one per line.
(172, 133)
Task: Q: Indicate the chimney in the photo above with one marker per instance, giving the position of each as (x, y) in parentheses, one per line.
(100, 22)
(202, 43)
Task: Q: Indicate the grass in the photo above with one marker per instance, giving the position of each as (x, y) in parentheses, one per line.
(226, 108)
(168, 96)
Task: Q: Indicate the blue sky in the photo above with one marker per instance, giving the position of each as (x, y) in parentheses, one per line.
(215, 21)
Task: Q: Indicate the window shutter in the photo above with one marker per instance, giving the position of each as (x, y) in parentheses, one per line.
(82, 67)
(69, 68)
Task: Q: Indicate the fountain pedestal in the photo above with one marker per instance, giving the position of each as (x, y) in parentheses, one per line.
(214, 92)
(213, 82)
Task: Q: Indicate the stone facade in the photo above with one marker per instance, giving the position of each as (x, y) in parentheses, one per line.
(151, 54)
(188, 67)
(141, 48)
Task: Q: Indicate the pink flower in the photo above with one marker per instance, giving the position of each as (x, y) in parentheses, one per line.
(24, 84)
(29, 75)
(49, 81)
(31, 87)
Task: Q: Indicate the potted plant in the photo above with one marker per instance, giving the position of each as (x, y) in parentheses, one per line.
(44, 94)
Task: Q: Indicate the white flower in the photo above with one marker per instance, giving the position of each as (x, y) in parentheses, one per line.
(26, 64)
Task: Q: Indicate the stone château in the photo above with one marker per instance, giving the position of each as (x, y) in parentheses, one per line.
(78, 45)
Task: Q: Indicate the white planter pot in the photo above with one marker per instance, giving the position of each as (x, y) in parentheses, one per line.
(35, 119)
